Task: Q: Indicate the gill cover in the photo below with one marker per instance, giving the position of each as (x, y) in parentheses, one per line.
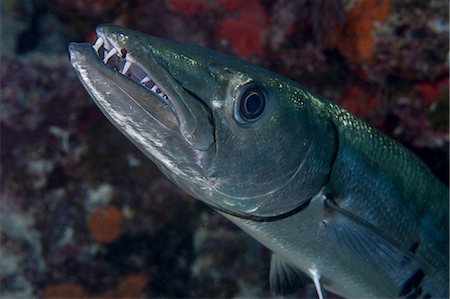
(268, 161)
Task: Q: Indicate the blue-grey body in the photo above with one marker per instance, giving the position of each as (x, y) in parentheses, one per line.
(340, 205)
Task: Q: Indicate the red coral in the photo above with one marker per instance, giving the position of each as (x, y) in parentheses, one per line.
(430, 91)
(359, 102)
(231, 5)
(188, 8)
(247, 31)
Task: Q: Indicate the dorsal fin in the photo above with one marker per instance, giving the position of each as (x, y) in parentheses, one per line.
(284, 278)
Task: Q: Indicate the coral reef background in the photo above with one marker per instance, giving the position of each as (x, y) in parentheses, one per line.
(84, 214)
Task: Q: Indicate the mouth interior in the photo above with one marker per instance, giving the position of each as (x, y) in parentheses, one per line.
(126, 65)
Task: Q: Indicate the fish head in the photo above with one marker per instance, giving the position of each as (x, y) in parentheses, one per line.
(228, 132)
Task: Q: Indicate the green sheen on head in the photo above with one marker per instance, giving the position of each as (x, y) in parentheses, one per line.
(233, 134)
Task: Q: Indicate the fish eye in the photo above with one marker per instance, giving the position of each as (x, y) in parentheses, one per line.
(251, 102)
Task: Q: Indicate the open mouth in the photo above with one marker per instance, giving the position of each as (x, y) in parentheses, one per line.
(131, 82)
(125, 64)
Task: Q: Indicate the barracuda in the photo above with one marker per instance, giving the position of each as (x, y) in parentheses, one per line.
(340, 205)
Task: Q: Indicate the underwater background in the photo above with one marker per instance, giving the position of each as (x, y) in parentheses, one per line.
(84, 214)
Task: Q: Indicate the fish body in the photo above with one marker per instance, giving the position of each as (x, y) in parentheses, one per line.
(339, 204)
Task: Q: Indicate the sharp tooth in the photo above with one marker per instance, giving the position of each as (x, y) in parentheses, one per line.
(130, 58)
(107, 45)
(110, 54)
(126, 67)
(98, 43)
(146, 79)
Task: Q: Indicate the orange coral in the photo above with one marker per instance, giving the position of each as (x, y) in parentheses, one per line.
(105, 224)
(355, 41)
(130, 286)
(64, 290)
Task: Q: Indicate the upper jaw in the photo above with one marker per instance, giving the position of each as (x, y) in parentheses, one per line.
(136, 55)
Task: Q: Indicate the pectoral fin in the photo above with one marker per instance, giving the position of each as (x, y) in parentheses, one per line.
(284, 278)
(357, 237)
